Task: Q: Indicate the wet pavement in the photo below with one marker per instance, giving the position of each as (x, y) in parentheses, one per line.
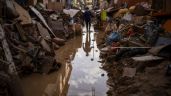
(79, 75)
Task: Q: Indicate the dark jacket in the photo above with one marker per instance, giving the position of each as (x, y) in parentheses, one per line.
(87, 16)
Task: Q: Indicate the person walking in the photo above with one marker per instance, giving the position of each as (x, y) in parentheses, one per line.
(87, 18)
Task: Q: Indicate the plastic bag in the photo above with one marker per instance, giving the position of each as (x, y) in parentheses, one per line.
(127, 17)
(113, 37)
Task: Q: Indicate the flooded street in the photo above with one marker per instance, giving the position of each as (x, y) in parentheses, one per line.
(85, 48)
(79, 75)
(86, 77)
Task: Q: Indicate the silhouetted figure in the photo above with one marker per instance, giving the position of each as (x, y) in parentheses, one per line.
(87, 18)
(86, 46)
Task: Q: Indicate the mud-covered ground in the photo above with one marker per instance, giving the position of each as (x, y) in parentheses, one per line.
(150, 78)
(148, 81)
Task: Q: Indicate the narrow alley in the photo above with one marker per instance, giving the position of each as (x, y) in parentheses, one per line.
(79, 76)
(85, 48)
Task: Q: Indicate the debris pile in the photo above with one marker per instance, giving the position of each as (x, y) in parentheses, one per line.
(32, 34)
(135, 51)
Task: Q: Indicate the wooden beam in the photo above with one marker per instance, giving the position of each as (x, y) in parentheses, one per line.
(12, 69)
(39, 15)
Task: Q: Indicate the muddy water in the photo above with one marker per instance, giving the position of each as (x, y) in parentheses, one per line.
(86, 77)
(79, 75)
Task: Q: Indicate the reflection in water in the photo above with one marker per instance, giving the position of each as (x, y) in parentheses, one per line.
(86, 45)
(55, 84)
(86, 76)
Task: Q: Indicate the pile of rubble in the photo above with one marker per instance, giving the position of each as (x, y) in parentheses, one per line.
(30, 35)
(135, 52)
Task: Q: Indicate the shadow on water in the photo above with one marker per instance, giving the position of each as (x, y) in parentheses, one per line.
(79, 75)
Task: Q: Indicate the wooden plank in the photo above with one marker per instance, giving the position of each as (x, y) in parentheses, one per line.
(136, 43)
(147, 58)
(43, 31)
(12, 69)
(45, 45)
(24, 15)
(39, 15)
(156, 50)
(21, 31)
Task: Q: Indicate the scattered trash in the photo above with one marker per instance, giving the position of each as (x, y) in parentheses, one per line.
(113, 37)
(39, 15)
(135, 41)
(31, 34)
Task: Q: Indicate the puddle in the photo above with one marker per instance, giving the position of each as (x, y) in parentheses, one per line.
(87, 79)
(80, 76)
